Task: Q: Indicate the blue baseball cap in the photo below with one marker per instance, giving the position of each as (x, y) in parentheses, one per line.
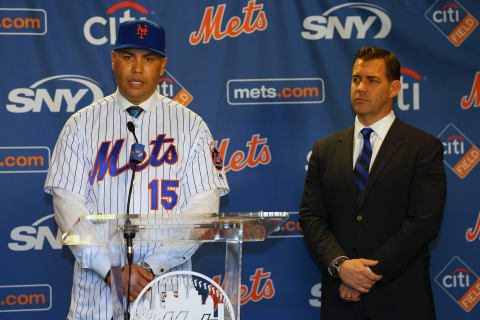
(141, 34)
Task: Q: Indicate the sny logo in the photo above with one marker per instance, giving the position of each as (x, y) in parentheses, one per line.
(53, 92)
(324, 26)
(452, 20)
(467, 100)
(33, 237)
(460, 155)
(142, 31)
(460, 283)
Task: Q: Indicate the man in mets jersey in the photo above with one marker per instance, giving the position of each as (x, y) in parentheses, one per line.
(90, 170)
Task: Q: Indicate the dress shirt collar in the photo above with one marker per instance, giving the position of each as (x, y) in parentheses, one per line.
(380, 128)
(146, 105)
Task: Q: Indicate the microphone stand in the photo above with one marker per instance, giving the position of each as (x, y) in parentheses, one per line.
(129, 230)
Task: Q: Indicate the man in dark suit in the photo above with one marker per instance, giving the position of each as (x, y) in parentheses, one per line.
(373, 201)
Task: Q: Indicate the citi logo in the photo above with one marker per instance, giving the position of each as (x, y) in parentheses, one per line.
(452, 20)
(458, 278)
(326, 25)
(448, 13)
(169, 87)
(35, 97)
(409, 95)
(460, 154)
(454, 145)
(33, 237)
(100, 30)
(460, 283)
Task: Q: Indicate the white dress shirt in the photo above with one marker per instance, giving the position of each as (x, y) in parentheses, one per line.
(380, 130)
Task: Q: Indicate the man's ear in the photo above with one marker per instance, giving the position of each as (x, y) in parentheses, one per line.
(162, 70)
(395, 87)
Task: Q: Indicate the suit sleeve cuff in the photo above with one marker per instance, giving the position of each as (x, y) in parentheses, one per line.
(331, 265)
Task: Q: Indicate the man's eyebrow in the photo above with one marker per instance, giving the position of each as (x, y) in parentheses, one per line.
(152, 54)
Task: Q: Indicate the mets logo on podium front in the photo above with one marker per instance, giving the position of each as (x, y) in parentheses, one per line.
(460, 155)
(452, 20)
(461, 283)
(185, 295)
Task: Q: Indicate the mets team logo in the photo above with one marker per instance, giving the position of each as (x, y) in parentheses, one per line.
(183, 295)
(216, 157)
(473, 233)
(107, 158)
(460, 282)
(473, 98)
(254, 19)
(142, 31)
(460, 155)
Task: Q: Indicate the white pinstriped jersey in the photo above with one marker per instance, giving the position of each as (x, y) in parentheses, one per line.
(91, 158)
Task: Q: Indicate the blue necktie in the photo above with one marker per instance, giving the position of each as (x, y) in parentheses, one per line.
(134, 111)
(363, 163)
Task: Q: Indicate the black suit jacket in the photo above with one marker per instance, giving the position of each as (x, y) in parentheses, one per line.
(399, 215)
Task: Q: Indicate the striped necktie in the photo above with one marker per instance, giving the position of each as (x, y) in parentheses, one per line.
(134, 111)
(363, 163)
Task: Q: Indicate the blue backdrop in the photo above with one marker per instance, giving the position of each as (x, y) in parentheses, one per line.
(269, 77)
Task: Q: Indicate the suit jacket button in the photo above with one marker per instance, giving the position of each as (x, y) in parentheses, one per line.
(359, 218)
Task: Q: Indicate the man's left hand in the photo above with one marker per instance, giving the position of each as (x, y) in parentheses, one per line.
(348, 294)
(139, 278)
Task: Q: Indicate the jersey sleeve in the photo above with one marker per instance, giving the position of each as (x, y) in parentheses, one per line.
(205, 170)
(67, 169)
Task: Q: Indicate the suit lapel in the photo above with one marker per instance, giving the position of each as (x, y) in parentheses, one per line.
(392, 142)
(345, 153)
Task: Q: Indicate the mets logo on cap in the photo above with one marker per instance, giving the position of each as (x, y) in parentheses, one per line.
(141, 34)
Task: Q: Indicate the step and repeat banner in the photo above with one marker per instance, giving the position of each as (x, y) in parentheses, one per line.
(269, 77)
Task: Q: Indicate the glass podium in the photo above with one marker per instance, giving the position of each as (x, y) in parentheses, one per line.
(171, 302)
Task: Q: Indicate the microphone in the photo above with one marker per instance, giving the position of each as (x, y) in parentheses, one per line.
(131, 128)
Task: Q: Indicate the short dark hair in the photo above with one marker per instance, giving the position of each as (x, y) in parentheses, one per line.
(391, 60)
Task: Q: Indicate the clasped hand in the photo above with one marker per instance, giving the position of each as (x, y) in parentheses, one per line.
(139, 278)
(357, 278)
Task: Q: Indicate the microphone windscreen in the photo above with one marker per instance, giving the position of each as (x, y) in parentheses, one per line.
(131, 126)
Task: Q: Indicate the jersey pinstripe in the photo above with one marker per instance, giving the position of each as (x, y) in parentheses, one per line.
(91, 159)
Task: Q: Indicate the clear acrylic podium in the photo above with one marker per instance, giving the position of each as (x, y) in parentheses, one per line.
(232, 228)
